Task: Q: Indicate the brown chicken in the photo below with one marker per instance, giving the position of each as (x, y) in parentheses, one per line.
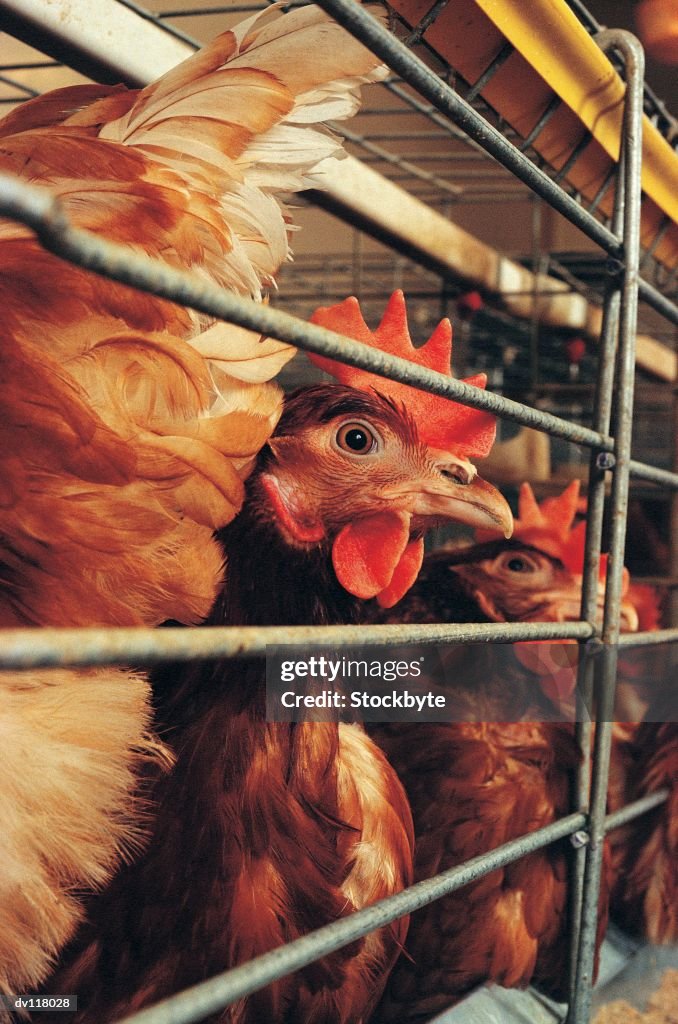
(645, 852)
(502, 771)
(128, 424)
(266, 830)
(645, 758)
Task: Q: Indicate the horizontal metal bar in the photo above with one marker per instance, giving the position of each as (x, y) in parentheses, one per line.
(37, 208)
(197, 1003)
(653, 474)
(646, 639)
(51, 648)
(360, 23)
(635, 809)
(654, 298)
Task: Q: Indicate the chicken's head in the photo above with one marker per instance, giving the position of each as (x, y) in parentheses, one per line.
(551, 577)
(558, 541)
(513, 581)
(366, 469)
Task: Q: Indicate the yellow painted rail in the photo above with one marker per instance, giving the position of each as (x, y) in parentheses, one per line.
(555, 56)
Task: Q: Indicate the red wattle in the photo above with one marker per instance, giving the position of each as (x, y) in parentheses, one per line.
(366, 554)
(406, 572)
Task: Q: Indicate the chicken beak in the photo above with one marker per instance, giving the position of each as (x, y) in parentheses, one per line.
(477, 504)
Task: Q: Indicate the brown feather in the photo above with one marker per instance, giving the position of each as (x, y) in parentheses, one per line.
(123, 445)
(475, 784)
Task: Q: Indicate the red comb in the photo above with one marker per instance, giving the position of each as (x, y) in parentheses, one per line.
(442, 424)
(548, 526)
(647, 602)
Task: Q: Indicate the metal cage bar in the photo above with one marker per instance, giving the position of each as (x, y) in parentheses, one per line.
(599, 464)
(628, 211)
(210, 996)
(36, 208)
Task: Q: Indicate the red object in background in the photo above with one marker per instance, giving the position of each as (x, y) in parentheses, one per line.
(576, 350)
(469, 303)
(657, 25)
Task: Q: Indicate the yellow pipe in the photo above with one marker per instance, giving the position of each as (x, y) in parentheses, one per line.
(554, 42)
(554, 54)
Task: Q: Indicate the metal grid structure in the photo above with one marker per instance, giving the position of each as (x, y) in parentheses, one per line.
(610, 456)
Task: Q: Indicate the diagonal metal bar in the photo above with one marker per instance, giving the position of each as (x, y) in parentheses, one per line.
(431, 15)
(197, 1003)
(395, 160)
(490, 71)
(41, 211)
(367, 29)
(563, 172)
(635, 809)
(603, 190)
(37, 208)
(538, 128)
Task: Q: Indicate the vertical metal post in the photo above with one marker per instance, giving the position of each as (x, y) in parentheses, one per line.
(630, 183)
(672, 617)
(599, 463)
(537, 270)
(357, 263)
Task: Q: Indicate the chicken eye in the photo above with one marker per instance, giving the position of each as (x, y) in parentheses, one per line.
(518, 565)
(356, 438)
